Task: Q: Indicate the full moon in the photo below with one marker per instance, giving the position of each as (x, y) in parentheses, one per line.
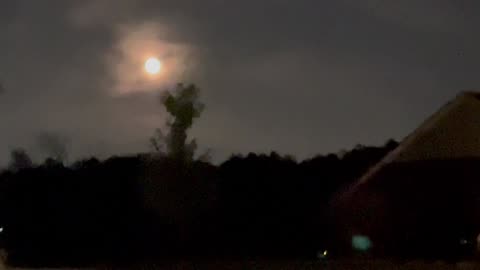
(153, 65)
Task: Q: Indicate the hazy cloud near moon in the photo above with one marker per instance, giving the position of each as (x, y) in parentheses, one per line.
(135, 40)
(135, 44)
(300, 77)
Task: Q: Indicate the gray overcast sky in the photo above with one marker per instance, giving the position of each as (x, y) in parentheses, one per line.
(300, 77)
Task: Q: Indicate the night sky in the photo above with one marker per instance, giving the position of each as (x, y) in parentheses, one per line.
(300, 77)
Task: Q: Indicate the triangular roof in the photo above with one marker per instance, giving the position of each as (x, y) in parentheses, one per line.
(427, 187)
(453, 132)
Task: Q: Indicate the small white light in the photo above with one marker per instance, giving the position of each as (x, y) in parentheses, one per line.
(322, 254)
(1, 229)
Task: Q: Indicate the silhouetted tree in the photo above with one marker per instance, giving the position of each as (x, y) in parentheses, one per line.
(19, 160)
(183, 105)
(391, 144)
(157, 141)
(52, 162)
(88, 163)
(177, 193)
(206, 156)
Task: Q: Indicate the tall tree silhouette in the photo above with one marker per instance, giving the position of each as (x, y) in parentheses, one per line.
(184, 106)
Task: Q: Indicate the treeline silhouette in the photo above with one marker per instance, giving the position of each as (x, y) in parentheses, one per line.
(154, 207)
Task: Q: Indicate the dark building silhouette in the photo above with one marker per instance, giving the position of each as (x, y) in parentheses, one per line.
(423, 198)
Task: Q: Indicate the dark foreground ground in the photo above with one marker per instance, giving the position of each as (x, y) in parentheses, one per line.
(294, 265)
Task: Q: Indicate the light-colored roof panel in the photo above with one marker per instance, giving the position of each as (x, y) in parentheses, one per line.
(453, 132)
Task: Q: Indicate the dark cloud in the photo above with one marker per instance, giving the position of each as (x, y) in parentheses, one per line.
(301, 77)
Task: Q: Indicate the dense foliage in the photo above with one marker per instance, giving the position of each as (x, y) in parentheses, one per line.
(151, 206)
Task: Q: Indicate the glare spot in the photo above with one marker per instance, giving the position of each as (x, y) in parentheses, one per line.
(153, 65)
(322, 254)
(1, 229)
(361, 242)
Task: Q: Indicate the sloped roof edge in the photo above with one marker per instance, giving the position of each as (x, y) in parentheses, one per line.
(412, 137)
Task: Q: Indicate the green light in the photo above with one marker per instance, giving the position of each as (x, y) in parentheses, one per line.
(361, 242)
